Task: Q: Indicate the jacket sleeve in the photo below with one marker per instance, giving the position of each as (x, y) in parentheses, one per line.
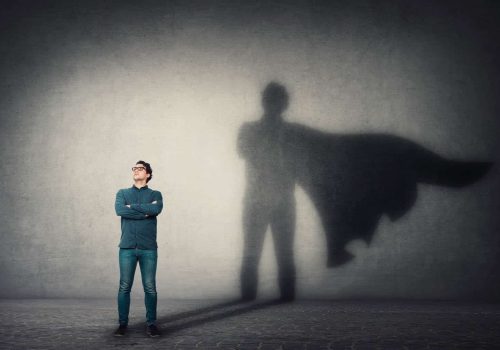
(151, 209)
(124, 211)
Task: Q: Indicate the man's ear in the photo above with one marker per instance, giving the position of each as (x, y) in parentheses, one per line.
(149, 175)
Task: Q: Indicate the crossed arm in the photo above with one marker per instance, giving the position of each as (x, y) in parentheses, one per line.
(138, 211)
(150, 209)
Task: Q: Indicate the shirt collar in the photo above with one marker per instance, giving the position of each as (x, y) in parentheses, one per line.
(145, 187)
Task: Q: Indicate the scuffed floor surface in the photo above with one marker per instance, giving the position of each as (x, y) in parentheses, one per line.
(209, 324)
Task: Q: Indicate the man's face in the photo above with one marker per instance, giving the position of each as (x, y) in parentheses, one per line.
(139, 172)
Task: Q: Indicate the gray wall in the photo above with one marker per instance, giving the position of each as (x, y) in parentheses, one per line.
(89, 88)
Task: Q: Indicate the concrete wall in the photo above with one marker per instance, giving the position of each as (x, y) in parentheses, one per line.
(89, 88)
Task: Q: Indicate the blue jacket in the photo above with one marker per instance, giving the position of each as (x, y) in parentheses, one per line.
(138, 221)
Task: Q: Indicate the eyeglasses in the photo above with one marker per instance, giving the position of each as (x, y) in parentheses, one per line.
(138, 168)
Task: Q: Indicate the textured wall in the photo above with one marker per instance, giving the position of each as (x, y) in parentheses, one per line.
(89, 88)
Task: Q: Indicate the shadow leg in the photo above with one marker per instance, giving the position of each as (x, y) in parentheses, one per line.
(255, 221)
(283, 229)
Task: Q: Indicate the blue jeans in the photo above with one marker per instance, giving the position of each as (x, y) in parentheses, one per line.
(128, 259)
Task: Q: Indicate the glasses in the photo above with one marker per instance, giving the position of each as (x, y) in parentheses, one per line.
(138, 168)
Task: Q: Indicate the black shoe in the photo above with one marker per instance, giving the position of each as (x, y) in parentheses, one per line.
(120, 332)
(153, 331)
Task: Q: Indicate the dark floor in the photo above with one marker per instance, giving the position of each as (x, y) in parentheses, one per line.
(202, 324)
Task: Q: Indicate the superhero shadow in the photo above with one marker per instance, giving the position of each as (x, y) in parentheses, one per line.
(352, 180)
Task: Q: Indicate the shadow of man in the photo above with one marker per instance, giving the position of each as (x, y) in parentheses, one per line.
(269, 195)
(352, 180)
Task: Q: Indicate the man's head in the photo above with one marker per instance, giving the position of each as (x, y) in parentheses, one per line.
(142, 171)
(274, 99)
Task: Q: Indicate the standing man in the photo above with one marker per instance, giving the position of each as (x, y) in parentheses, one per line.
(138, 207)
(269, 196)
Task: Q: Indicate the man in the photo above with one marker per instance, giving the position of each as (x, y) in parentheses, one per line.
(269, 196)
(138, 207)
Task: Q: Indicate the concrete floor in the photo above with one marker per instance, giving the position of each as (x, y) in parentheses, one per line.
(263, 324)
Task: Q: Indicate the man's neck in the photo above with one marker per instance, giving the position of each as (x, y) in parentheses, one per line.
(140, 184)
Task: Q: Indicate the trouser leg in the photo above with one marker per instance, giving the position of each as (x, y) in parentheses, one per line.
(128, 262)
(148, 261)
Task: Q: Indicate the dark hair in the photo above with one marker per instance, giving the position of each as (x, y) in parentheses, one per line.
(149, 170)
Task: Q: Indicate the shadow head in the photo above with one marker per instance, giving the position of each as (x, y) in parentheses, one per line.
(274, 99)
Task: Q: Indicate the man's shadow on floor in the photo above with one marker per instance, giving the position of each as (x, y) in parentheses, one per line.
(187, 319)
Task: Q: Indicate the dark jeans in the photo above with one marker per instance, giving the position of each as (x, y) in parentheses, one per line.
(128, 259)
